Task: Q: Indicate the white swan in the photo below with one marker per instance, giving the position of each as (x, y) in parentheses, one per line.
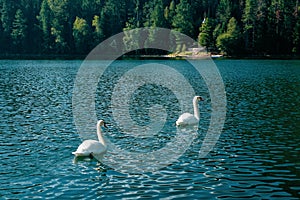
(187, 119)
(89, 147)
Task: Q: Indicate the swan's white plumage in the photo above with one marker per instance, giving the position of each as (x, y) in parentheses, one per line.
(88, 147)
(188, 119)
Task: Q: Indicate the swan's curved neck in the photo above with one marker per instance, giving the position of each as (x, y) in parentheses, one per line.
(196, 108)
(99, 134)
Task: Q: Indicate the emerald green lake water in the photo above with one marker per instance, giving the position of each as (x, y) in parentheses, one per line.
(256, 156)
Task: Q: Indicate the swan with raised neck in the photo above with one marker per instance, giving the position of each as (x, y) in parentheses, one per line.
(188, 118)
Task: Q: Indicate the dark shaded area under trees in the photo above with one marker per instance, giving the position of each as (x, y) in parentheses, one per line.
(74, 27)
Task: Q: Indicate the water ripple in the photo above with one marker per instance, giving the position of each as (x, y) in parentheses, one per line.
(257, 155)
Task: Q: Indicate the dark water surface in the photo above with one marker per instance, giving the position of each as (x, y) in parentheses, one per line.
(256, 156)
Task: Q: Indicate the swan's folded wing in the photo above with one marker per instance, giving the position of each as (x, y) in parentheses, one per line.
(186, 119)
(89, 146)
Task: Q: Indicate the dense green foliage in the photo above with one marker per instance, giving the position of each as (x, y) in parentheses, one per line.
(76, 26)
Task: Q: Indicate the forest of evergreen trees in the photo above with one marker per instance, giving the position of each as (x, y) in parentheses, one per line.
(251, 27)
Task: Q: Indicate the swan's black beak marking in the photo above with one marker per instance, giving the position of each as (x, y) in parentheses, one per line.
(105, 125)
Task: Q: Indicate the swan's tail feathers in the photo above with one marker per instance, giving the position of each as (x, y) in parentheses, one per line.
(179, 123)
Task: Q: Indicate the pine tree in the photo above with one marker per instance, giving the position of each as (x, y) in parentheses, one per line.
(206, 37)
(223, 14)
(210, 8)
(169, 13)
(18, 33)
(98, 32)
(155, 14)
(132, 38)
(44, 19)
(61, 25)
(249, 19)
(183, 20)
(7, 8)
(289, 22)
(110, 18)
(268, 26)
(296, 34)
(230, 41)
(275, 24)
(87, 9)
(262, 36)
(155, 19)
(7, 15)
(81, 35)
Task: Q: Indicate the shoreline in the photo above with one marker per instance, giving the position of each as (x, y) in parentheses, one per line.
(41, 57)
(145, 57)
